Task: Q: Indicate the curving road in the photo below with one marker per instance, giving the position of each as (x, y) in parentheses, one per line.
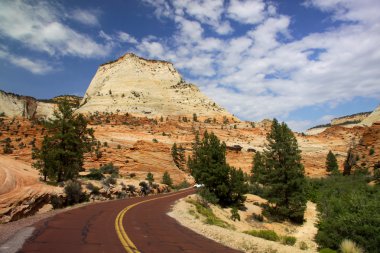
(130, 225)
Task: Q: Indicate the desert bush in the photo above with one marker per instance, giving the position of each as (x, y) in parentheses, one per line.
(144, 187)
(258, 217)
(109, 169)
(155, 140)
(207, 195)
(132, 175)
(288, 240)
(235, 214)
(95, 174)
(93, 188)
(303, 245)
(109, 181)
(371, 151)
(348, 246)
(327, 250)
(74, 193)
(131, 188)
(265, 234)
(166, 179)
(210, 217)
(57, 202)
(184, 184)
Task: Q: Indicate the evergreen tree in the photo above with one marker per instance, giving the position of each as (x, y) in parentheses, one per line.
(209, 167)
(331, 163)
(349, 162)
(166, 179)
(150, 178)
(284, 182)
(258, 169)
(60, 157)
(178, 154)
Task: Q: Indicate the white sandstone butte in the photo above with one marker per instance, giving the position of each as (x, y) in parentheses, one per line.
(146, 88)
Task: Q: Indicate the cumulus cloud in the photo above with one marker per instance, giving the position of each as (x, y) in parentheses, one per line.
(265, 72)
(87, 17)
(40, 26)
(33, 66)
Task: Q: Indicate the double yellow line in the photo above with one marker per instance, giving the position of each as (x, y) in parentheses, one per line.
(128, 245)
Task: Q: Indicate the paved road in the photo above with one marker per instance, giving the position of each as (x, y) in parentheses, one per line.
(130, 225)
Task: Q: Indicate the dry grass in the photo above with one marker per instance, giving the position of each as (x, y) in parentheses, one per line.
(348, 246)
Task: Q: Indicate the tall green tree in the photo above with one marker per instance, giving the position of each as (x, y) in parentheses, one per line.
(331, 163)
(258, 169)
(284, 179)
(60, 157)
(166, 179)
(178, 154)
(209, 167)
(150, 178)
(349, 163)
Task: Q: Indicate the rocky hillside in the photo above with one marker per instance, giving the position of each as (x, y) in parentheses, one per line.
(14, 105)
(372, 118)
(147, 88)
(350, 119)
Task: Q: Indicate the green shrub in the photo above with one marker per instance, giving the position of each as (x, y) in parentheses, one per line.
(184, 184)
(349, 209)
(144, 187)
(288, 240)
(109, 169)
(265, 234)
(57, 202)
(131, 188)
(327, 250)
(205, 211)
(207, 195)
(132, 175)
(155, 140)
(109, 180)
(74, 193)
(235, 214)
(94, 189)
(258, 217)
(166, 179)
(95, 174)
(371, 151)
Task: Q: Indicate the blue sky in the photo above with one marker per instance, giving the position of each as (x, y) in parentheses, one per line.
(303, 62)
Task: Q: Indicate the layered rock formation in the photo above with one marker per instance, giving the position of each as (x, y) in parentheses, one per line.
(145, 87)
(23, 106)
(350, 119)
(372, 118)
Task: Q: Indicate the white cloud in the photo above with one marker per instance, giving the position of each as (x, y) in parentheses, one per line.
(264, 72)
(39, 26)
(125, 37)
(34, 66)
(247, 11)
(87, 17)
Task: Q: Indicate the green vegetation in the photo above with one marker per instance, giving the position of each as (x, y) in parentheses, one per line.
(349, 209)
(149, 178)
(265, 234)
(209, 167)
(271, 235)
(349, 163)
(184, 184)
(278, 170)
(327, 250)
(195, 118)
(61, 156)
(331, 163)
(235, 214)
(74, 193)
(371, 151)
(166, 179)
(206, 211)
(178, 154)
(8, 148)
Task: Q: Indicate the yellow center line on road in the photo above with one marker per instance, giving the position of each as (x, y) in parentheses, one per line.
(128, 245)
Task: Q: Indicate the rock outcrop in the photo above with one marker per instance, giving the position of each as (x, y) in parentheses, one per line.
(14, 105)
(350, 119)
(145, 87)
(372, 118)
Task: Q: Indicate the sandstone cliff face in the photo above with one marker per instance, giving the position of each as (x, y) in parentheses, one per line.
(351, 119)
(145, 87)
(372, 118)
(23, 106)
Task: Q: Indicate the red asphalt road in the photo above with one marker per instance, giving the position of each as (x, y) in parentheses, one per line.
(92, 229)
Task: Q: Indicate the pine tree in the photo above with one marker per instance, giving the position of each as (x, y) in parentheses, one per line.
(258, 169)
(349, 162)
(178, 154)
(150, 178)
(60, 157)
(284, 182)
(166, 179)
(331, 163)
(209, 167)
